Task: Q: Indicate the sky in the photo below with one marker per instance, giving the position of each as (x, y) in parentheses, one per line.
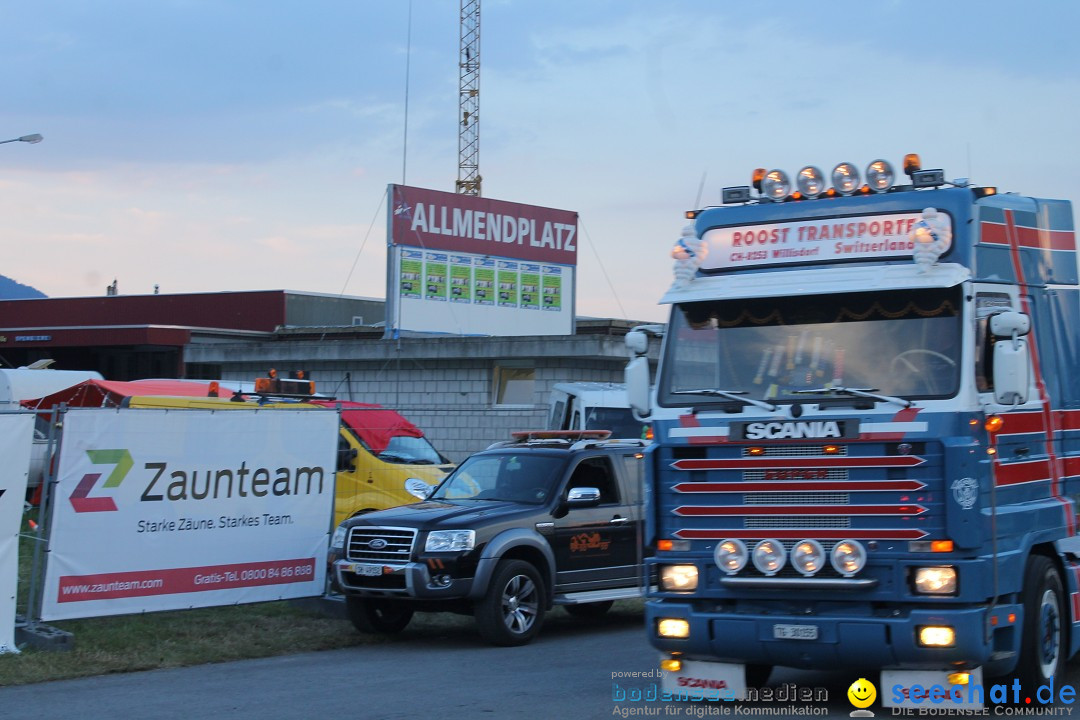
(216, 145)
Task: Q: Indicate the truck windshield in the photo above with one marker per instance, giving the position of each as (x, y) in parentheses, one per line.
(620, 421)
(897, 343)
(525, 478)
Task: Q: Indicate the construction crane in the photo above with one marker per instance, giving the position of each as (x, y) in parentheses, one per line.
(468, 182)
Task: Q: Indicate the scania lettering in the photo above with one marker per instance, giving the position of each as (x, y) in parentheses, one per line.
(867, 434)
(780, 430)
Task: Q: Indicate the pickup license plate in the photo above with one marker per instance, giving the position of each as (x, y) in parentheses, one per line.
(795, 632)
(367, 570)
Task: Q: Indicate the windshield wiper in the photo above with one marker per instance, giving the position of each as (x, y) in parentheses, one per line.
(858, 392)
(730, 395)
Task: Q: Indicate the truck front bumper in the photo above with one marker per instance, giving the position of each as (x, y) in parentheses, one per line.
(867, 639)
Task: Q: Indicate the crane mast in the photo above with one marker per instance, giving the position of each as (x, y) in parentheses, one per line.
(468, 182)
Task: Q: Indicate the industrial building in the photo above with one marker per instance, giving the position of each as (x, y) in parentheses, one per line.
(464, 391)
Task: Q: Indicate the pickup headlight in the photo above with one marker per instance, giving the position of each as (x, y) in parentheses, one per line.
(679, 578)
(337, 541)
(450, 540)
(935, 580)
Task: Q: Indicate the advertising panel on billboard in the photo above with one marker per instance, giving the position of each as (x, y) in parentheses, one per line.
(163, 510)
(466, 265)
(16, 434)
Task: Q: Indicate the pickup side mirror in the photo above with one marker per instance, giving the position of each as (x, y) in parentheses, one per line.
(583, 497)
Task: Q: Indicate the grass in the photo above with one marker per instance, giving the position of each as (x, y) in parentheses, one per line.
(150, 641)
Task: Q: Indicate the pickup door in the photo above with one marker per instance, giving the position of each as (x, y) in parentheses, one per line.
(598, 547)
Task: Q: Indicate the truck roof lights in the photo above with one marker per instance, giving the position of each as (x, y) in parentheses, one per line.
(880, 176)
(912, 163)
(775, 185)
(739, 194)
(845, 178)
(811, 181)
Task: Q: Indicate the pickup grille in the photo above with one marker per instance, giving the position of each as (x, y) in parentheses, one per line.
(382, 545)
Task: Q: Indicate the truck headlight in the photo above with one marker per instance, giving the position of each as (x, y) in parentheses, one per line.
(679, 578)
(808, 557)
(936, 636)
(768, 556)
(848, 557)
(673, 628)
(731, 556)
(450, 540)
(935, 580)
(337, 540)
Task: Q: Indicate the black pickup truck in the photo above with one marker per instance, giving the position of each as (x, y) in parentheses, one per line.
(548, 519)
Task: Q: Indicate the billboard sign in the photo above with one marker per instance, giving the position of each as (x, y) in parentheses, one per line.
(16, 434)
(163, 510)
(466, 265)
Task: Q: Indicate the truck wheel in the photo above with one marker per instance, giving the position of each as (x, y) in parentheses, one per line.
(512, 610)
(1042, 645)
(383, 617)
(589, 611)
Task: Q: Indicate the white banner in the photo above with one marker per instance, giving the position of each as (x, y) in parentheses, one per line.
(811, 241)
(16, 434)
(166, 509)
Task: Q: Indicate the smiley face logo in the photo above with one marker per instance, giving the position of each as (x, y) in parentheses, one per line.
(862, 693)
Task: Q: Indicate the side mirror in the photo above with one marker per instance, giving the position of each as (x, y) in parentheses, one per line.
(346, 460)
(1011, 365)
(637, 385)
(1011, 357)
(583, 497)
(637, 342)
(418, 488)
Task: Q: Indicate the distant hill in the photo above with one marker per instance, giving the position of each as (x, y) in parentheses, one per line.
(11, 290)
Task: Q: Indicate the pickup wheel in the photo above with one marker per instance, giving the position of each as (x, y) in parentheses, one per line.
(512, 610)
(1042, 645)
(589, 611)
(383, 617)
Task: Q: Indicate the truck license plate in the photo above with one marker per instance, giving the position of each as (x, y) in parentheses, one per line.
(367, 570)
(795, 632)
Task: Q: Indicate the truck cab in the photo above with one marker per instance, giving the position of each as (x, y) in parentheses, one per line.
(864, 455)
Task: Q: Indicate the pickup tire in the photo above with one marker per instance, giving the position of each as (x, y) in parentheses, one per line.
(589, 611)
(381, 617)
(1043, 642)
(511, 612)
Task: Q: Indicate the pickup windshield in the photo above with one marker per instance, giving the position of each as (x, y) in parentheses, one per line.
(897, 343)
(525, 478)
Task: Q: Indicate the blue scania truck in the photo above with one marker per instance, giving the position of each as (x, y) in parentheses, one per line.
(867, 435)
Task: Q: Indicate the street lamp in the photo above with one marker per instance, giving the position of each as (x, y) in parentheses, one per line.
(35, 138)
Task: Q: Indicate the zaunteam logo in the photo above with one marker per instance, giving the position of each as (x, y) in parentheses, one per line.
(80, 498)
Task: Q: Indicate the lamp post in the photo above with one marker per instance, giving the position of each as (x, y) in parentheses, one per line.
(35, 138)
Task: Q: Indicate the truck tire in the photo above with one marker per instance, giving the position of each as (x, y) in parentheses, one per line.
(511, 612)
(1042, 644)
(589, 611)
(381, 617)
